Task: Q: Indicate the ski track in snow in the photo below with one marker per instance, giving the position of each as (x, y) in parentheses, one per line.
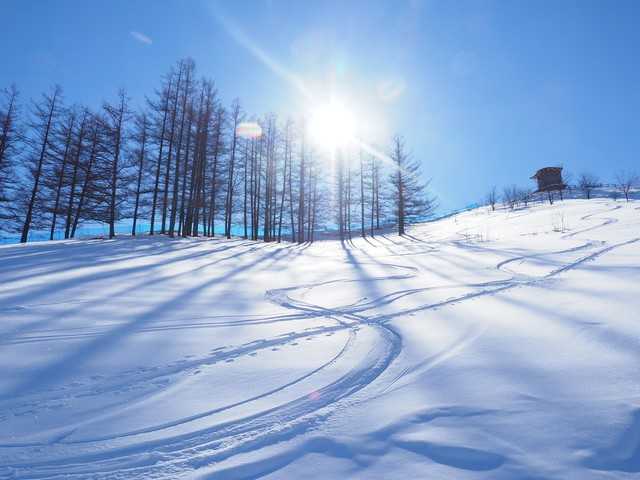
(133, 456)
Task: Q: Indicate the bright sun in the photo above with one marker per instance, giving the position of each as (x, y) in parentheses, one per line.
(332, 125)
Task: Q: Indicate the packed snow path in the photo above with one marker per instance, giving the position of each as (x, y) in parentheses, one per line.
(487, 345)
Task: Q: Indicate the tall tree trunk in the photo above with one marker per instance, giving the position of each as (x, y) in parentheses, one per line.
(141, 154)
(183, 229)
(348, 207)
(373, 195)
(36, 184)
(200, 141)
(176, 176)
(259, 184)
(340, 199)
(244, 205)
(87, 180)
(315, 207)
(362, 197)
(174, 112)
(116, 164)
(216, 153)
(232, 162)
(293, 225)
(7, 125)
(74, 176)
(301, 195)
(159, 161)
(284, 183)
(65, 157)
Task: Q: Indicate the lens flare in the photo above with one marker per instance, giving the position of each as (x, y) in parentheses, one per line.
(249, 130)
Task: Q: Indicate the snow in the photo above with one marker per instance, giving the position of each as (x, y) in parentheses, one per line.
(485, 345)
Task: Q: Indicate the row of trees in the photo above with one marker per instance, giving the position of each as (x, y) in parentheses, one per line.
(513, 196)
(187, 165)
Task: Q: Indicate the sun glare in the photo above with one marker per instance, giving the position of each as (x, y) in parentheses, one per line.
(332, 126)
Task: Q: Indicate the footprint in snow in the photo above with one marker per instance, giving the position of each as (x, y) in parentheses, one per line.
(230, 360)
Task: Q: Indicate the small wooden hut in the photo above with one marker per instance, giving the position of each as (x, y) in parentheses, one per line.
(549, 179)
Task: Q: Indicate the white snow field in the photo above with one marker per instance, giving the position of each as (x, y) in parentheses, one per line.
(498, 345)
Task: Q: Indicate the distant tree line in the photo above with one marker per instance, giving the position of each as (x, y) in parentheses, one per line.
(513, 196)
(186, 165)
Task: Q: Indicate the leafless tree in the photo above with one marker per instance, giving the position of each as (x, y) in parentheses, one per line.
(160, 110)
(625, 182)
(58, 166)
(492, 198)
(76, 161)
(587, 182)
(9, 140)
(43, 119)
(510, 196)
(236, 118)
(116, 116)
(140, 137)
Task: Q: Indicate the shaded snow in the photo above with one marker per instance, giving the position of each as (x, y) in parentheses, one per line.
(485, 345)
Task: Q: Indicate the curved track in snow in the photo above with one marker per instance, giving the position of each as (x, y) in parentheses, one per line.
(372, 345)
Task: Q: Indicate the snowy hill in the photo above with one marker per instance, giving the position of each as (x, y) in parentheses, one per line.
(486, 345)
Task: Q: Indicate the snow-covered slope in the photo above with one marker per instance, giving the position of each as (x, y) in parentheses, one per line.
(487, 345)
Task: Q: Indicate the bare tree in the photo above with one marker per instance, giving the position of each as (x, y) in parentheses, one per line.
(301, 190)
(625, 182)
(88, 184)
(9, 138)
(525, 195)
(236, 118)
(492, 198)
(172, 135)
(217, 149)
(286, 166)
(44, 115)
(587, 183)
(75, 165)
(375, 193)
(115, 115)
(140, 136)
(510, 196)
(188, 69)
(362, 196)
(162, 109)
(59, 166)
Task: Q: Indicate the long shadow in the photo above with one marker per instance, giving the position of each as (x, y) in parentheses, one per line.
(62, 368)
(106, 255)
(146, 269)
(105, 275)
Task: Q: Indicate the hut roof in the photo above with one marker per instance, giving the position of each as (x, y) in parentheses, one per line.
(546, 171)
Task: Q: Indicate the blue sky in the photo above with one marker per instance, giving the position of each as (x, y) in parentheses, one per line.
(485, 92)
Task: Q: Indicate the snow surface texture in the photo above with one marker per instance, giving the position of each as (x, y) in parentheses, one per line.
(486, 345)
